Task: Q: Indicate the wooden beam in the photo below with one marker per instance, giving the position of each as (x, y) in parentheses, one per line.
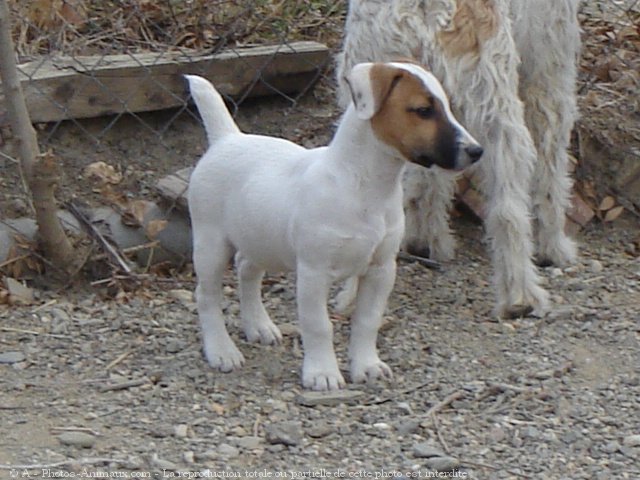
(89, 86)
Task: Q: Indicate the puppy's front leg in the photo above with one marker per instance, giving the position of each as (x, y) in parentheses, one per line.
(320, 367)
(373, 292)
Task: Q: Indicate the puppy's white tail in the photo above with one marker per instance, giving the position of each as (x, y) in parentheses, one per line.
(215, 115)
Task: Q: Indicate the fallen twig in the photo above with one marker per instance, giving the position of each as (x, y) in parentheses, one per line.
(124, 385)
(445, 447)
(127, 251)
(425, 262)
(449, 399)
(33, 332)
(75, 461)
(97, 235)
(472, 463)
(119, 359)
(6, 263)
(380, 401)
(76, 429)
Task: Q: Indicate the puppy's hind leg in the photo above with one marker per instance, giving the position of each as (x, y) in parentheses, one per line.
(256, 323)
(210, 259)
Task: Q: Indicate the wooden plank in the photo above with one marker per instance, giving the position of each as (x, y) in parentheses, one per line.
(80, 87)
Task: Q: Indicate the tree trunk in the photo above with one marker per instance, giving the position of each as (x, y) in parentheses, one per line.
(40, 170)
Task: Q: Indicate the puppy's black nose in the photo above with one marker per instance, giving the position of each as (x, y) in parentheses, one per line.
(474, 152)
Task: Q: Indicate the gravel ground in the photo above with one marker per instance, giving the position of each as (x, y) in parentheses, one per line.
(120, 387)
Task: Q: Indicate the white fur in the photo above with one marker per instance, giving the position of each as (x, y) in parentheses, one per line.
(327, 213)
(517, 97)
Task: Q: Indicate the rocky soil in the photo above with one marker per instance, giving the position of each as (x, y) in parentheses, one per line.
(99, 387)
(109, 382)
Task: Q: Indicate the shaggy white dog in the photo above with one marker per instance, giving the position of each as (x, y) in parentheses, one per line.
(509, 67)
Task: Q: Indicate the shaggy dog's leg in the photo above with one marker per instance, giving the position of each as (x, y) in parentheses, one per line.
(549, 43)
(428, 196)
(484, 86)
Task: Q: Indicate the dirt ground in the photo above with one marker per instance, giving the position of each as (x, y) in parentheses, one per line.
(552, 398)
(99, 385)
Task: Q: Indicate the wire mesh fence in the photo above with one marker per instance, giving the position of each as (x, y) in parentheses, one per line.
(117, 59)
(87, 58)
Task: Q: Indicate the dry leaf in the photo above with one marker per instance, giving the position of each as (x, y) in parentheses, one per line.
(103, 173)
(613, 213)
(154, 227)
(607, 203)
(73, 12)
(134, 215)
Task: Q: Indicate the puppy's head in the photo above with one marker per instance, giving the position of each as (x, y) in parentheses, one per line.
(410, 112)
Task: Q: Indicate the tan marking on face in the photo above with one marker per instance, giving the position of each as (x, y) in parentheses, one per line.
(474, 22)
(397, 122)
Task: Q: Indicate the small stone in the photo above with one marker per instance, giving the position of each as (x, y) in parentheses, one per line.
(249, 442)
(162, 463)
(160, 431)
(497, 434)
(332, 398)
(289, 330)
(405, 408)
(189, 457)
(427, 450)
(12, 357)
(442, 464)
(556, 273)
(631, 441)
(407, 427)
(228, 451)
(276, 448)
(284, 433)
(319, 430)
(595, 266)
(611, 447)
(181, 431)
(77, 439)
(19, 293)
(382, 426)
(184, 296)
(206, 456)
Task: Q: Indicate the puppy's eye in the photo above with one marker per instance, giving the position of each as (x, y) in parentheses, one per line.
(424, 112)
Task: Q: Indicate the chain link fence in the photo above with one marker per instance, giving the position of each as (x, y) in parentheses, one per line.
(71, 52)
(117, 59)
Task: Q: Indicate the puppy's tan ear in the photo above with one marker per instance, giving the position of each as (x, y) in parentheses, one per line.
(370, 85)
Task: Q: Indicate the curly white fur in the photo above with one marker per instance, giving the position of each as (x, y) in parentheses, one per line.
(509, 67)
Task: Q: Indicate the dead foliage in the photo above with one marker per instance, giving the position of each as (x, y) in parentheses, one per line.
(87, 27)
(609, 125)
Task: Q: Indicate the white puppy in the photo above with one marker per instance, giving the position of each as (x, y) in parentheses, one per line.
(328, 213)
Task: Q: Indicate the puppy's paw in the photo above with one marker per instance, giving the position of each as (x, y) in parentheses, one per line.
(223, 356)
(366, 373)
(266, 333)
(322, 379)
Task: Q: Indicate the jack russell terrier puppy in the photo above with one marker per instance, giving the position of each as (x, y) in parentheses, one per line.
(329, 213)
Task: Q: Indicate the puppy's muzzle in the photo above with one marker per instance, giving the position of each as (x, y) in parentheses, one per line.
(474, 152)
